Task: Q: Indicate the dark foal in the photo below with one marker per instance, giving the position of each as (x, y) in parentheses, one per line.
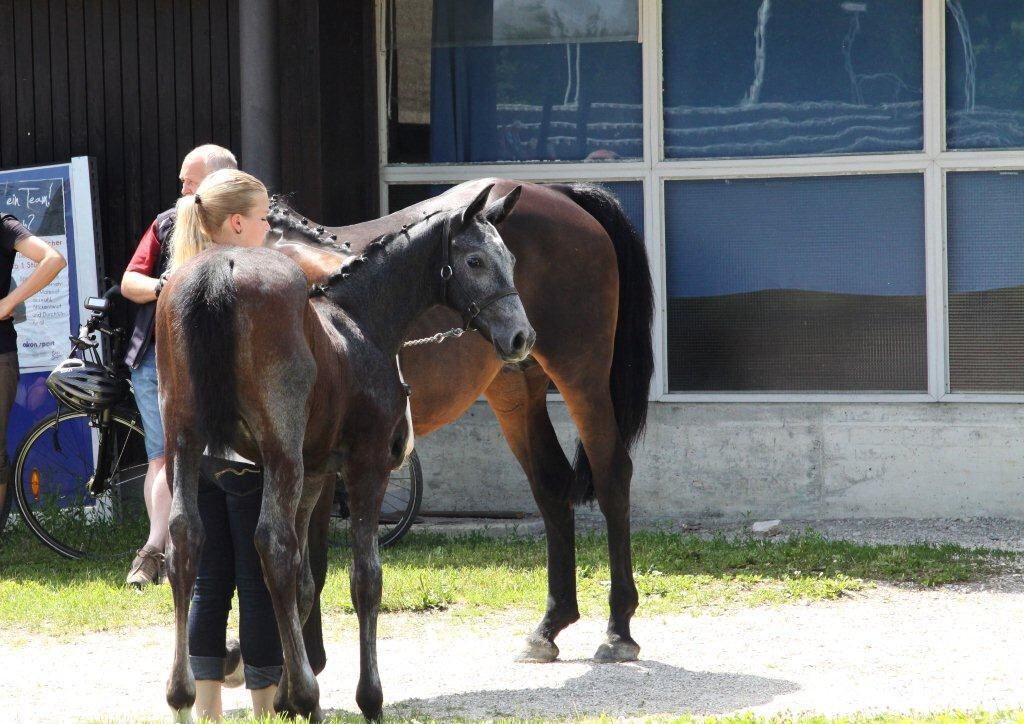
(307, 383)
(585, 282)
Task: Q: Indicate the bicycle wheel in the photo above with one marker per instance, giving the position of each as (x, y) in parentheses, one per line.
(401, 505)
(51, 470)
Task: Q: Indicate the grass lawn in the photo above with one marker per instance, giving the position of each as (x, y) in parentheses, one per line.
(475, 574)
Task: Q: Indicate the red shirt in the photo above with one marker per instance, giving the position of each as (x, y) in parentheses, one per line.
(147, 255)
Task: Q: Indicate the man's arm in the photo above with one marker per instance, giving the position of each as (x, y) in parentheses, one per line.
(48, 261)
(139, 283)
(138, 288)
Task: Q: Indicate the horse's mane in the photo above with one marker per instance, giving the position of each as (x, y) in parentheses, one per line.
(349, 266)
(283, 217)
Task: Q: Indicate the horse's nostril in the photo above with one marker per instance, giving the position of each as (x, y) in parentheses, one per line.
(519, 342)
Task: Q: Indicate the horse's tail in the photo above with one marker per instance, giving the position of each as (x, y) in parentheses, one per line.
(633, 356)
(207, 319)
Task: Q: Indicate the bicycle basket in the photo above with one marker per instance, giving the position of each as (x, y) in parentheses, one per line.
(86, 386)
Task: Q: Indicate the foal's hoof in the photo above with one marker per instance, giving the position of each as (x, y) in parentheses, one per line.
(316, 715)
(616, 650)
(370, 698)
(538, 651)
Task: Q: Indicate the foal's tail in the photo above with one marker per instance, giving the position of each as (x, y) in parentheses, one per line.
(207, 315)
(633, 356)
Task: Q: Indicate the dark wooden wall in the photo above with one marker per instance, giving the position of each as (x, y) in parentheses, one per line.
(135, 83)
(139, 83)
(328, 91)
(349, 107)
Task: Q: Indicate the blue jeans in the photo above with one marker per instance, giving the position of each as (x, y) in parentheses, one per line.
(229, 559)
(148, 402)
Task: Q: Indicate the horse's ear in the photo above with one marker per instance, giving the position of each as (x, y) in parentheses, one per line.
(476, 205)
(501, 208)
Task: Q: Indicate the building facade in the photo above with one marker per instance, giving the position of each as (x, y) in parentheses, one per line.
(831, 195)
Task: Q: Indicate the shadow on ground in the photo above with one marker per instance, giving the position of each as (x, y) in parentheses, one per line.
(642, 688)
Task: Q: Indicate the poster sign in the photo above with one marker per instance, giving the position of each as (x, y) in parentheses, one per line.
(41, 323)
(56, 204)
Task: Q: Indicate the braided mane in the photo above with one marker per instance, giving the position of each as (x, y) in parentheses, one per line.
(283, 217)
(374, 248)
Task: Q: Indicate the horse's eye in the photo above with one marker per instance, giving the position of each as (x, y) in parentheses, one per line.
(474, 262)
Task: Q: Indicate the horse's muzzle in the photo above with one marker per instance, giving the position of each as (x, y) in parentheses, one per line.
(516, 346)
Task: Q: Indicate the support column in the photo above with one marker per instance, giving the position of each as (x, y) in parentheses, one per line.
(260, 101)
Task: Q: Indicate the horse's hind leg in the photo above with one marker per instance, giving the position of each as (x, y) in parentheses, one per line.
(280, 538)
(588, 398)
(519, 399)
(366, 483)
(184, 545)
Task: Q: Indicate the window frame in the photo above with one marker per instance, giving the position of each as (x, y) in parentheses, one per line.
(653, 171)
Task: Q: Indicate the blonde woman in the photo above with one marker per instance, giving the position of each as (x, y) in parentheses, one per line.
(228, 207)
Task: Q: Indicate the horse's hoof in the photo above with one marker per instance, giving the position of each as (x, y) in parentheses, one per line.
(290, 712)
(181, 696)
(295, 704)
(617, 650)
(538, 651)
(370, 700)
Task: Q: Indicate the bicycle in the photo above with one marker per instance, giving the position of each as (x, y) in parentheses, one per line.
(81, 508)
(78, 474)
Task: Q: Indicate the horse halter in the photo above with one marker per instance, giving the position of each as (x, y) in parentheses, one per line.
(474, 308)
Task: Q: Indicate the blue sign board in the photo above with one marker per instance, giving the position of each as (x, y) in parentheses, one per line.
(56, 204)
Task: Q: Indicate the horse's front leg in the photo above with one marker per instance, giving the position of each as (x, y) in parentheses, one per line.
(280, 535)
(366, 484)
(185, 543)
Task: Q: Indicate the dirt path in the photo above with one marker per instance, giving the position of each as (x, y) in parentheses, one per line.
(887, 649)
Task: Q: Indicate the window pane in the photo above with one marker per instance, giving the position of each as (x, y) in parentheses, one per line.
(402, 195)
(629, 193)
(471, 81)
(810, 284)
(986, 281)
(984, 74)
(791, 77)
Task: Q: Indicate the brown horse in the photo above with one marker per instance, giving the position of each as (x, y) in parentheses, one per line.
(583, 275)
(307, 384)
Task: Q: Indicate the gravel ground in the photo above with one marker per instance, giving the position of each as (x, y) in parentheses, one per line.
(886, 649)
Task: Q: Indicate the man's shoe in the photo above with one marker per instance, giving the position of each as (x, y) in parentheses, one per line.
(146, 567)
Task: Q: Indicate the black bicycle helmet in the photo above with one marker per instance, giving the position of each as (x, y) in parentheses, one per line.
(85, 386)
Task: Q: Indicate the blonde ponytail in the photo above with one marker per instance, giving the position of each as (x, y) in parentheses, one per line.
(221, 194)
(189, 238)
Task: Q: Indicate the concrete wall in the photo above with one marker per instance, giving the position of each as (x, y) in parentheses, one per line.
(769, 460)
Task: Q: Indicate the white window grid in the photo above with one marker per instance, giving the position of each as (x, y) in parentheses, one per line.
(653, 171)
